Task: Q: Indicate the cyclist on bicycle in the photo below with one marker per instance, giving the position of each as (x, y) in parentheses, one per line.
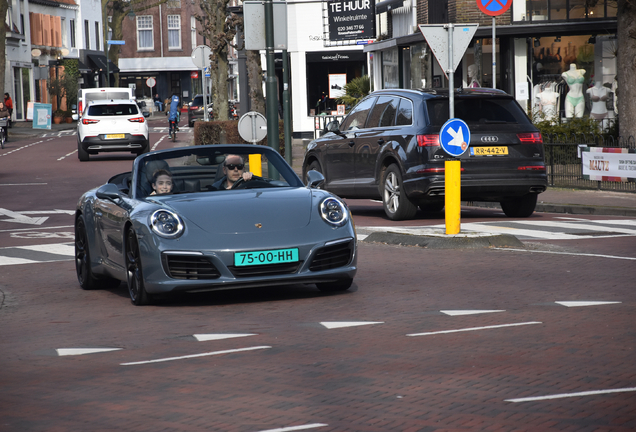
(174, 114)
(4, 115)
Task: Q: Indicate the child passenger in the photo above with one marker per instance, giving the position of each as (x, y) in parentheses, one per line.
(161, 182)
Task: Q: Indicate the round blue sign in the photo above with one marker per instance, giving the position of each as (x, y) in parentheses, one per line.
(494, 7)
(454, 137)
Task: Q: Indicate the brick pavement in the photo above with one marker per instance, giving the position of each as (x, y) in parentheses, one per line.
(367, 378)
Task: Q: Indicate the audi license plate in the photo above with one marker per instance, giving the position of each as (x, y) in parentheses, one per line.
(115, 136)
(488, 151)
(276, 256)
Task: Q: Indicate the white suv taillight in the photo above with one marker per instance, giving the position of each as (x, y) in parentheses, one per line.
(137, 120)
(89, 121)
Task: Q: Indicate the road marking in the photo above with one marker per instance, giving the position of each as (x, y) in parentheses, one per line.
(475, 328)
(468, 312)
(20, 218)
(341, 324)
(579, 226)
(295, 428)
(567, 253)
(23, 184)
(36, 228)
(585, 303)
(37, 253)
(67, 155)
(209, 337)
(22, 148)
(81, 351)
(56, 211)
(568, 395)
(67, 249)
(195, 355)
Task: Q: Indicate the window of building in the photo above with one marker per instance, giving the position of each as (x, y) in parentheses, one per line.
(561, 10)
(64, 32)
(193, 31)
(144, 33)
(96, 35)
(174, 32)
(87, 35)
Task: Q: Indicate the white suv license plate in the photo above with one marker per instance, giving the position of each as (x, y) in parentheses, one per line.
(275, 256)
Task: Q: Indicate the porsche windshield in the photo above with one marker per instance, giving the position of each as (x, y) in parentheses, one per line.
(212, 171)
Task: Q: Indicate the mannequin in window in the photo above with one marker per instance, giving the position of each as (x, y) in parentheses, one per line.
(599, 95)
(473, 75)
(615, 91)
(548, 99)
(575, 99)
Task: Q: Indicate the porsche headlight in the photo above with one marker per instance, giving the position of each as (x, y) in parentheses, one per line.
(166, 224)
(334, 212)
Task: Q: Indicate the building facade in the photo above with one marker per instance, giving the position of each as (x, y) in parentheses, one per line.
(538, 44)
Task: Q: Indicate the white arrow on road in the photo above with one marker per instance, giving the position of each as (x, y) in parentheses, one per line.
(21, 218)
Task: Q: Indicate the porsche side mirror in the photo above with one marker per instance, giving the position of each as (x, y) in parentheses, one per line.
(109, 191)
(315, 179)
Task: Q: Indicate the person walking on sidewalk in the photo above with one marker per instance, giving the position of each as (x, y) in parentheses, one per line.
(9, 104)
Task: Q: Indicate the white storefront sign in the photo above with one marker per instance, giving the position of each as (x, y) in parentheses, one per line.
(609, 164)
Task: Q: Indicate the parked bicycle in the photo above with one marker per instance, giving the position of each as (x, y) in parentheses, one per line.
(3, 131)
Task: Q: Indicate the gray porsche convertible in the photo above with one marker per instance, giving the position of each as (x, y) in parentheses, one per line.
(213, 217)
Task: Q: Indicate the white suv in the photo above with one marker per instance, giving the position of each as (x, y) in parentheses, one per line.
(111, 125)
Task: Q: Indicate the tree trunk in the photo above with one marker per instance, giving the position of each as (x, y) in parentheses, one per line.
(4, 6)
(255, 81)
(626, 33)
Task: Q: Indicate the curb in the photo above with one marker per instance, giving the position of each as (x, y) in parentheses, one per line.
(565, 208)
(451, 242)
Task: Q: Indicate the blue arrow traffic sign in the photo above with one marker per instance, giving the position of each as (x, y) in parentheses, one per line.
(454, 137)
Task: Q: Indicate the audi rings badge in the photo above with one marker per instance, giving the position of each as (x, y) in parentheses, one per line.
(489, 139)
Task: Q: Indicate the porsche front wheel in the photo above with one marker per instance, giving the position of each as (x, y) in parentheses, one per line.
(134, 273)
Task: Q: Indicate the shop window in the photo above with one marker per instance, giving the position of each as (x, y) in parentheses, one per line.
(558, 10)
(538, 10)
(144, 33)
(420, 70)
(390, 69)
(577, 9)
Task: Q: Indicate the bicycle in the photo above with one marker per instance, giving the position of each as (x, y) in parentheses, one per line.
(173, 130)
(3, 133)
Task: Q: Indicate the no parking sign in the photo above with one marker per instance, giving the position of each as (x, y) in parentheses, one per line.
(494, 7)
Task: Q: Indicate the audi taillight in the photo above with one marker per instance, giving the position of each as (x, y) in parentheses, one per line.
(428, 140)
(532, 168)
(89, 121)
(434, 170)
(137, 120)
(530, 138)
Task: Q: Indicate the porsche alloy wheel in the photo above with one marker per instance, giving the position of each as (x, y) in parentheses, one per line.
(134, 273)
(85, 276)
(396, 204)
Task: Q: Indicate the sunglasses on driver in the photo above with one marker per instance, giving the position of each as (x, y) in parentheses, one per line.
(231, 167)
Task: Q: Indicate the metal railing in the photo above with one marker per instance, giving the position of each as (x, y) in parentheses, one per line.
(320, 123)
(563, 160)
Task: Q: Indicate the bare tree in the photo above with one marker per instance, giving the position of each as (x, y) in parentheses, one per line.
(118, 10)
(255, 81)
(219, 26)
(4, 6)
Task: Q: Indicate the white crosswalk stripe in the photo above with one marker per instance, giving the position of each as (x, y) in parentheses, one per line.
(36, 253)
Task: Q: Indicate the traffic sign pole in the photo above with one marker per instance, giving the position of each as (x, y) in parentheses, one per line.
(454, 137)
(494, 55)
(452, 197)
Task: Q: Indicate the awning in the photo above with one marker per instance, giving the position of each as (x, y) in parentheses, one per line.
(99, 61)
(388, 5)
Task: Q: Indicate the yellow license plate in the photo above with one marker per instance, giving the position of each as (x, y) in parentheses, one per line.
(115, 136)
(488, 151)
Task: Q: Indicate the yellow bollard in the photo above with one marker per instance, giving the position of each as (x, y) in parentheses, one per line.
(452, 190)
(255, 165)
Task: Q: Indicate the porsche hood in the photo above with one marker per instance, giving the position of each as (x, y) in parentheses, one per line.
(242, 211)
